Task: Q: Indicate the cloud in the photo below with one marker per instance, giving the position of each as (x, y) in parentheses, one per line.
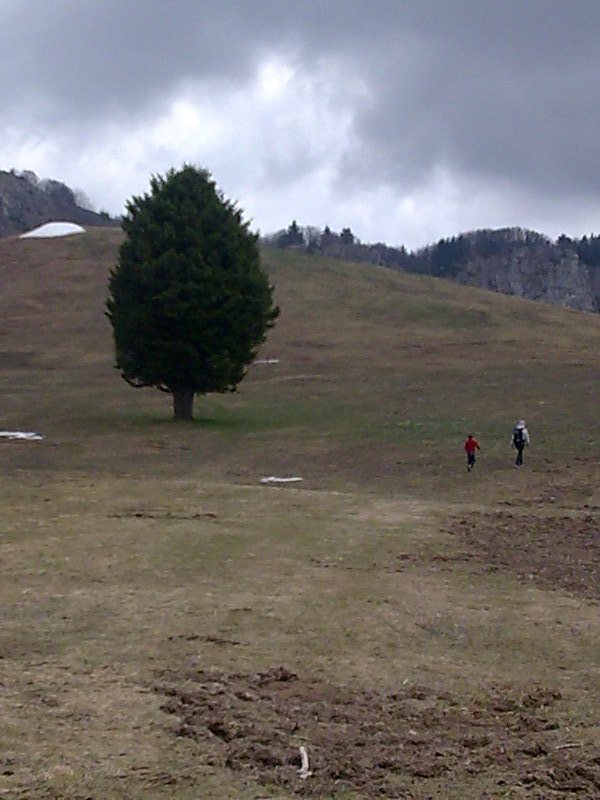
(405, 120)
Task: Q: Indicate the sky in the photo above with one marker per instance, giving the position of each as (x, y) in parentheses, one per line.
(405, 120)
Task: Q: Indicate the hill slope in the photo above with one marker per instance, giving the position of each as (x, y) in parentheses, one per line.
(380, 375)
(513, 261)
(171, 627)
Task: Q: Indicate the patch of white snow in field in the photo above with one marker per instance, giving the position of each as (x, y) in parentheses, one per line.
(53, 229)
(20, 435)
(275, 479)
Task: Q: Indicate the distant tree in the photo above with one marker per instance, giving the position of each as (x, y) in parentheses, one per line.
(487, 243)
(188, 300)
(295, 235)
(588, 250)
(312, 236)
(292, 237)
(346, 236)
(327, 238)
(448, 255)
(273, 239)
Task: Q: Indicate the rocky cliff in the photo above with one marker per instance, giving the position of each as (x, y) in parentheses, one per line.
(521, 262)
(553, 276)
(26, 202)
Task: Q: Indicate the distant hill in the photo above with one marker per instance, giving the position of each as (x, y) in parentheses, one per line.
(27, 201)
(515, 261)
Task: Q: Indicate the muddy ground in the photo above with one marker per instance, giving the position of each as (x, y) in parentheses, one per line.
(394, 744)
(554, 552)
(379, 744)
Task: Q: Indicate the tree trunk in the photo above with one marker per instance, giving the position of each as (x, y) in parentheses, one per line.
(183, 405)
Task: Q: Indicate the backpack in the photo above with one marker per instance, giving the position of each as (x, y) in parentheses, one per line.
(518, 438)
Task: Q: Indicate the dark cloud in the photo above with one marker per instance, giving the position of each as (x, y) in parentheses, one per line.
(488, 89)
(90, 59)
(504, 93)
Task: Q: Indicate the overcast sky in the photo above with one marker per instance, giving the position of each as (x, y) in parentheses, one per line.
(404, 120)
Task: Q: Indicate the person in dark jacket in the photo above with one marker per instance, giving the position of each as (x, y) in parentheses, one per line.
(471, 445)
(519, 440)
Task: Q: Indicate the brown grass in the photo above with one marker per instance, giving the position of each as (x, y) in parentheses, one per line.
(133, 548)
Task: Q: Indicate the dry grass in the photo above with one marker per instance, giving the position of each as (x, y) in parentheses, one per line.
(132, 547)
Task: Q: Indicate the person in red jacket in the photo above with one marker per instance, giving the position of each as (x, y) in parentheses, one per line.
(471, 445)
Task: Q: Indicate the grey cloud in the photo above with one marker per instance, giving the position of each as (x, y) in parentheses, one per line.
(505, 89)
(498, 91)
(89, 59)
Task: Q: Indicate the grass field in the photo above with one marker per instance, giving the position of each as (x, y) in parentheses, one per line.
(172, 628)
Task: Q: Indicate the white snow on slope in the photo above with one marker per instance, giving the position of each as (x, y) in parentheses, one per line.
(52, 229)
(275, 479)
(20, 435)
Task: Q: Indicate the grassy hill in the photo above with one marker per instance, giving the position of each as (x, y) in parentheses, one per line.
(380, 377)
(149, 571)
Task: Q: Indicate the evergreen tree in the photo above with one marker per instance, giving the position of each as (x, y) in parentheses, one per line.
(188, 300)
(294, 236)
(327, 238)
(588, 250)
(346, 236)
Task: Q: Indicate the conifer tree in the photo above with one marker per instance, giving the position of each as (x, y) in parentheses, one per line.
(188, 300)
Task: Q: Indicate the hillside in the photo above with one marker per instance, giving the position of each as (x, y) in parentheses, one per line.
(386, 370)
(513, 261)
(171, 627)
(27, 202)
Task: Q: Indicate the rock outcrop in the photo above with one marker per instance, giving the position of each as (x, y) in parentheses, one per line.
(553, 277)
(521, 262)
(27, 202)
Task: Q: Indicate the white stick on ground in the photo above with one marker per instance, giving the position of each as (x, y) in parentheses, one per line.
(304, 772)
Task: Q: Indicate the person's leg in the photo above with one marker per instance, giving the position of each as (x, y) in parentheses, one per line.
(519, 456)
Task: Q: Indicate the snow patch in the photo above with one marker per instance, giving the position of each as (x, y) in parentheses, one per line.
(53, 229)
(20, 435)
(275, 479)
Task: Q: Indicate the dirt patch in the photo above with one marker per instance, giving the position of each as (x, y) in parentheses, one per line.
(555, 552)
(380, 744)
(166, 515)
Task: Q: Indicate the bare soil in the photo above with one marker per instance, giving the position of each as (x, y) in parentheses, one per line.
(398, 743)
(554, 552)
(380, 744)
(559, 552)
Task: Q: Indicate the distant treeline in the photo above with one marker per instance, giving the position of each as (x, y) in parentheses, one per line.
(443, 259)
